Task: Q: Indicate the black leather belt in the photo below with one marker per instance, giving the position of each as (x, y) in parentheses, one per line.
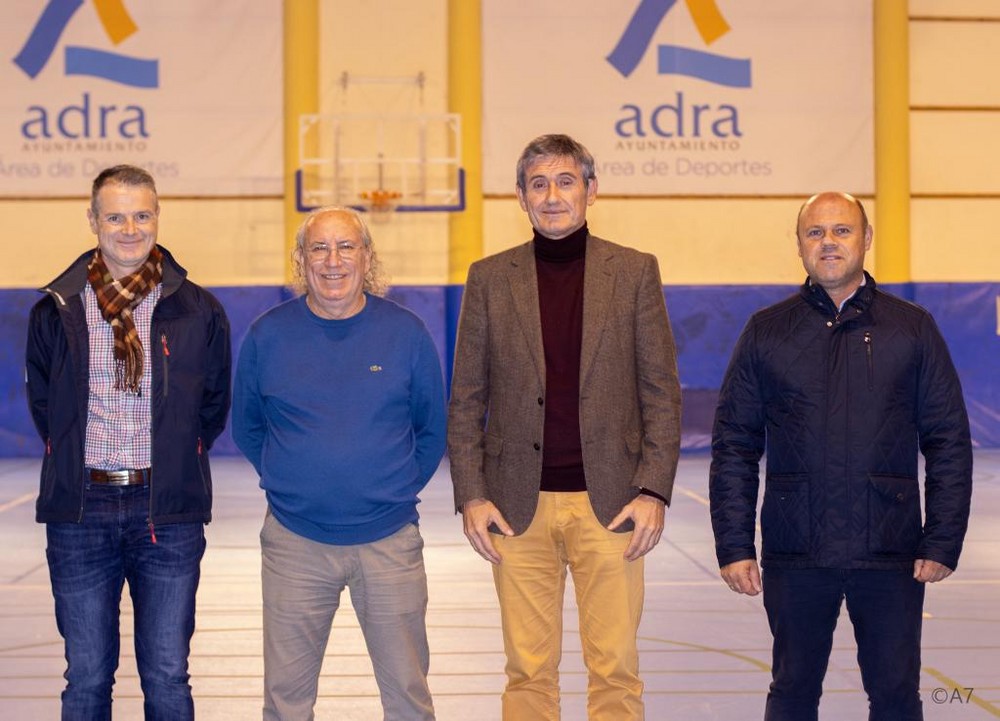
(124, 477)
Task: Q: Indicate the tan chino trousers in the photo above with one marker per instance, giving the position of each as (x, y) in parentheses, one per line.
(530, 581)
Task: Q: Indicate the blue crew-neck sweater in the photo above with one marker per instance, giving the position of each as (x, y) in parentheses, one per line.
(344, 420)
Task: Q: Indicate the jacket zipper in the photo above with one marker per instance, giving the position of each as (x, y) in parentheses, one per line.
(166, 387)
(63, 305)
(166, 365)
(204, 483)
(869, 356)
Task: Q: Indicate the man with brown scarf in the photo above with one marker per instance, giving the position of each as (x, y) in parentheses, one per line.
(128, 371)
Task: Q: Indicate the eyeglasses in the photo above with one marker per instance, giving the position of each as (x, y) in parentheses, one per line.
(344, 248)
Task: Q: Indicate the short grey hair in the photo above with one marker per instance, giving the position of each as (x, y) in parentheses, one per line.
(128, 175)
(555, 146)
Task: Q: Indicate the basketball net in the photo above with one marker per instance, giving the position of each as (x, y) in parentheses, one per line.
(380, 203)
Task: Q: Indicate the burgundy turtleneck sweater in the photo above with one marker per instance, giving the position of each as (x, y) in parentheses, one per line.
(560, 265)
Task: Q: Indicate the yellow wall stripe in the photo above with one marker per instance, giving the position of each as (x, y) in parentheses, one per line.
(301, 96)
(465, 97)
(892, 141)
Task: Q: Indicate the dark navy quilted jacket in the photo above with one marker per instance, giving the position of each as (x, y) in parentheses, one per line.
(841, 403)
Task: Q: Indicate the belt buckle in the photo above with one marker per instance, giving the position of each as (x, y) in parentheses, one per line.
(118, 478)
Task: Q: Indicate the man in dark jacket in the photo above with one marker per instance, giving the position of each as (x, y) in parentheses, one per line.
(841, 384)
(128, 369)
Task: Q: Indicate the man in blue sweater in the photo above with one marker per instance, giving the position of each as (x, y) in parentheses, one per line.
(339, 405)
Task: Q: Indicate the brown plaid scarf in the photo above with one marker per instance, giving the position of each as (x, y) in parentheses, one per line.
(116, 299)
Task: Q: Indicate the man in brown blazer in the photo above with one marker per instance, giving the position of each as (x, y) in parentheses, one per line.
(564, 430)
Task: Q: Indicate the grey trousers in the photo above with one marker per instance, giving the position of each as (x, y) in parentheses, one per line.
(302, 582)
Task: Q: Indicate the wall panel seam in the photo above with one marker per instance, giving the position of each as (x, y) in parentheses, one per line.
(955, 108)
(953, 19)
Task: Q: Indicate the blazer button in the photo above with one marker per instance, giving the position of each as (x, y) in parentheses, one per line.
(540, 401)
(538, 447)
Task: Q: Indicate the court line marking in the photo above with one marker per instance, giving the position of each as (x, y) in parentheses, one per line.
(19, 501)
(760, 665)
(704, 501)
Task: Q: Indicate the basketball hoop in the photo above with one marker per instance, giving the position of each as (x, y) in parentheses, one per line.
(380, 163)
(380, 203)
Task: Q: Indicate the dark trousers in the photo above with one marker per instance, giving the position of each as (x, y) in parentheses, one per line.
(886, 610)
(89, 563)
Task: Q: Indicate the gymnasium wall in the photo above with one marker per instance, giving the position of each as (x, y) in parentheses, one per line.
(720, 257)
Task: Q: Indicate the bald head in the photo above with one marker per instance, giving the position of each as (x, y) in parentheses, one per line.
(828, 196)
(833, 236)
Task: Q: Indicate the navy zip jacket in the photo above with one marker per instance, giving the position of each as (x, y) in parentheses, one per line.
(190, 360)
(841, 402)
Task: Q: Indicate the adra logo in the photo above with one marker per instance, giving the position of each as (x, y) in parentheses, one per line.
(680, 117)
(87, 119)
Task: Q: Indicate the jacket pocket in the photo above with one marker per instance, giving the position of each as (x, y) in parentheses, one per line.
(492, 445)
(492, 448)
(626, 465)
(894, 523)
(49, 489)
(204, 470)
(784, 515)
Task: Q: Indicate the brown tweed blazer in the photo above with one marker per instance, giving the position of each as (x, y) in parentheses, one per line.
(630, 401)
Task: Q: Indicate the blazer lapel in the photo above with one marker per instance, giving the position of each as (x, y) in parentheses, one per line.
(523, 281)
(598, 286)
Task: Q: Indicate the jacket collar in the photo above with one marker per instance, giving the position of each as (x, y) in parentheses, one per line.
(598, 288)
(817, 297)
(74, 279)
(599, 275)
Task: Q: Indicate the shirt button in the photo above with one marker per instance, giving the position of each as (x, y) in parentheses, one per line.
(538, 447)
(540, 401)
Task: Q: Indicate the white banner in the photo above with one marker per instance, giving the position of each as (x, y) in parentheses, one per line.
(741, 97)
(188, 89)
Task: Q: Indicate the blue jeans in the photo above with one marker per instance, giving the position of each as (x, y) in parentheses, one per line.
(88, 565)
(886, 609)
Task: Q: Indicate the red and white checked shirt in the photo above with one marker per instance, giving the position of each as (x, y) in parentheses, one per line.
(119, 423)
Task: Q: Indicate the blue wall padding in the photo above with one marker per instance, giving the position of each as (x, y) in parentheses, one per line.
(17, 433)
(452, 309)
(969, 317)
(706, 322)
(243, 304)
